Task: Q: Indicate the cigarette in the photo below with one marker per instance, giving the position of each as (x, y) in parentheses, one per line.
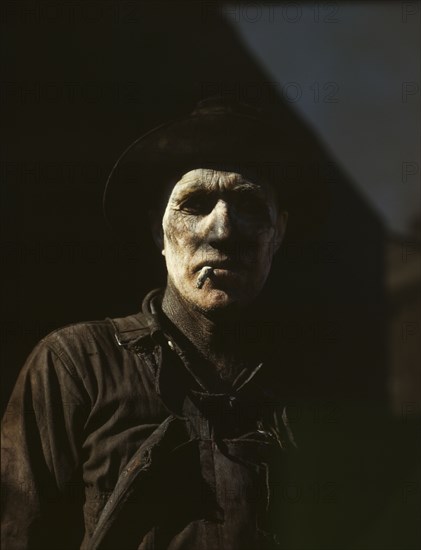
(205, 272)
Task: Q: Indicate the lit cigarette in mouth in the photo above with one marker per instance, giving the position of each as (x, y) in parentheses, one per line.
(205, 272)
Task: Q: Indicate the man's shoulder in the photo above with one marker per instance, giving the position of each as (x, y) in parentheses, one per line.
(91, 352)
(110, 332)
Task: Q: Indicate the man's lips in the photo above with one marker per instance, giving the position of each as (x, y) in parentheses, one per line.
(218, 272)
(220, 265)
(225, 274)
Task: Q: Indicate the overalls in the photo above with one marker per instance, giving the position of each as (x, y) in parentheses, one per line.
(211, 475)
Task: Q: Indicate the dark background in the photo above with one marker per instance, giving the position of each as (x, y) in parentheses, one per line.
(80, 82)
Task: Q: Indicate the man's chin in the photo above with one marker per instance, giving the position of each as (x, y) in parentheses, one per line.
(216, 301)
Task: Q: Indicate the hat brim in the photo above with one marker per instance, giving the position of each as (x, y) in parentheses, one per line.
(256, 148)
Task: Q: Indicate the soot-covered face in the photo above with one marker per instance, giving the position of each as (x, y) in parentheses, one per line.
(220, 233)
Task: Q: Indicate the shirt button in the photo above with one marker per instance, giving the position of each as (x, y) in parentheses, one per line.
(171, 345)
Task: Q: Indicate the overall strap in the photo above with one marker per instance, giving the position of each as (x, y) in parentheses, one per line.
(131, 498)
(128, 330)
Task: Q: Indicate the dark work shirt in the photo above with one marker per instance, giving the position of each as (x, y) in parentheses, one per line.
(90, 396)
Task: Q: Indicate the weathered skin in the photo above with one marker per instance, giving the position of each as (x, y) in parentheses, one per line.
(218, 219)
(212, 218)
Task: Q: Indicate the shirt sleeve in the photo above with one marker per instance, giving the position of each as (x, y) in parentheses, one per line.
(42, 431)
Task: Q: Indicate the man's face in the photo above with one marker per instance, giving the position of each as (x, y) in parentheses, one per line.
(219, 219)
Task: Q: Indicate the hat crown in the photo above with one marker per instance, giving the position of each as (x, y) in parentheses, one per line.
(217, 105)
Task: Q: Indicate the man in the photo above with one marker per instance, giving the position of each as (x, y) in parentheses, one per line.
(168, 428)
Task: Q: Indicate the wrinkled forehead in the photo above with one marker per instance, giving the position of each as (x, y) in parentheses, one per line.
(211, 180)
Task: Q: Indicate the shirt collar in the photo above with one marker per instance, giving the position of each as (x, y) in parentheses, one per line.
(173, 378)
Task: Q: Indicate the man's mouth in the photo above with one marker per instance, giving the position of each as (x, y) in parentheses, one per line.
(217, 270)
(223, 264)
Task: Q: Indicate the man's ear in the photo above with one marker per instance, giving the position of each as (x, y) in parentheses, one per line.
(281, 226)
(155, 223)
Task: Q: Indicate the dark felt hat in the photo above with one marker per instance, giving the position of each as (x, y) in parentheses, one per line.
(224, 135)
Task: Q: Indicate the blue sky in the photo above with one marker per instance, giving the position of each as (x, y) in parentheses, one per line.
(353, 71)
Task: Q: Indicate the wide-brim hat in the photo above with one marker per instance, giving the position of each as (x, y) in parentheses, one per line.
(224, 135)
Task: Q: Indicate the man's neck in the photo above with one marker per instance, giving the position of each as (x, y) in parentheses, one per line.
(218, 338)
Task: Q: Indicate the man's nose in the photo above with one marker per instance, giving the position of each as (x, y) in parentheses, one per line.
(221, 226)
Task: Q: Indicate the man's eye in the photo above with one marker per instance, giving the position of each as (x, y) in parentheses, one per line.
(198, 205)
(252, 206)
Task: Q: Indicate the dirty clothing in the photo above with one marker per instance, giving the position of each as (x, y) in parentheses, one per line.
(111, 440)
